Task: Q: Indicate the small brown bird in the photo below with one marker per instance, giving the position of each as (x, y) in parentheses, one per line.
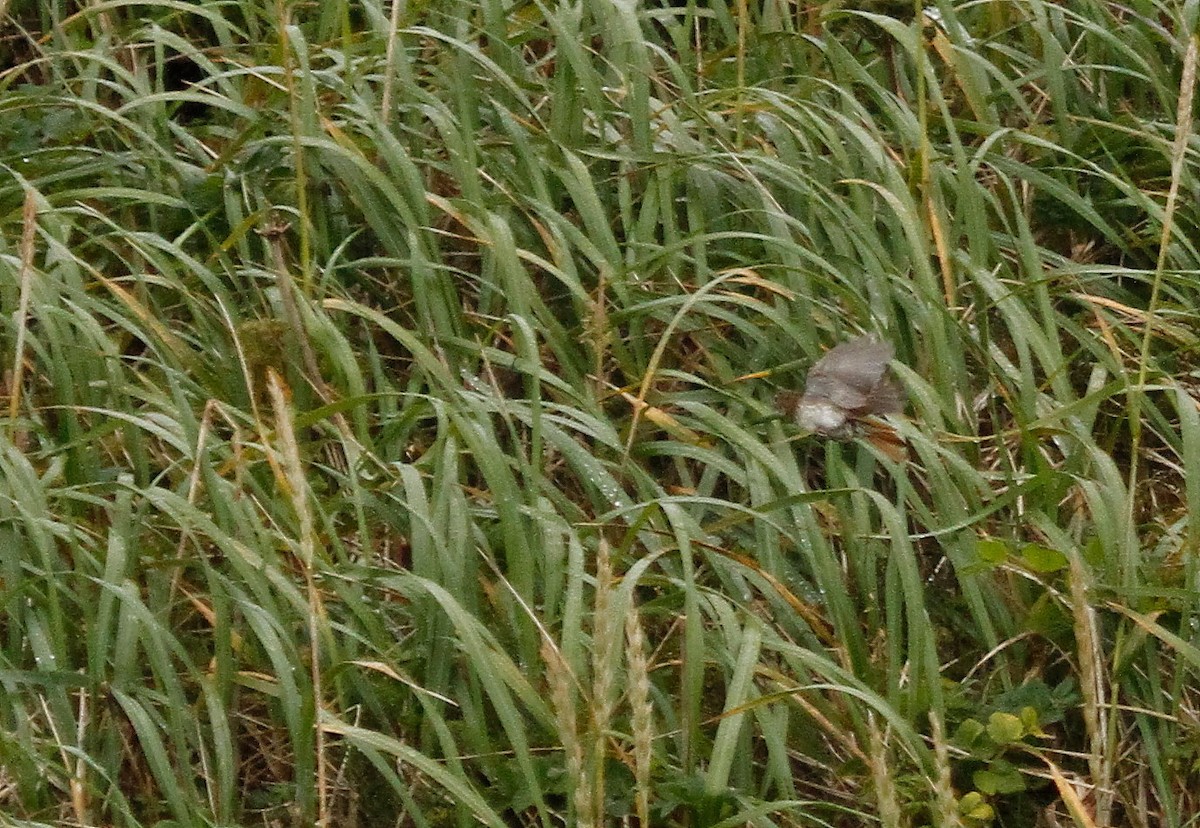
(845, 387)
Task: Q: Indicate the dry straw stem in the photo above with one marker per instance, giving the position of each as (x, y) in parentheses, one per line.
(1077, 808)
(1183, 134)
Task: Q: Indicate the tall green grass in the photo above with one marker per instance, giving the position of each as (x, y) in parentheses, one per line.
(388, 431)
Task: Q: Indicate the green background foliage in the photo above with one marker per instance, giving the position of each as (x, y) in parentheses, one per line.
(388, 431)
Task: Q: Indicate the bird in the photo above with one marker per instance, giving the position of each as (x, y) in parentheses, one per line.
(845, 390)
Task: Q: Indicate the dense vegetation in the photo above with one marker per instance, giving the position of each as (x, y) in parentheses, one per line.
(388, 433)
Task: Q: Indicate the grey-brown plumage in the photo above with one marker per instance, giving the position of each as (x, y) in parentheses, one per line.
(849, 383)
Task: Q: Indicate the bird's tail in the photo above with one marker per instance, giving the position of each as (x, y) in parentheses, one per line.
(885, 438)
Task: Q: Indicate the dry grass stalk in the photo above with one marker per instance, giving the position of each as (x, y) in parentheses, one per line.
(289, 474)
(642, 713)
(887, 801)
(945, 805)
(603, 643)
(562, 700)
(28, 237)
(1092, 689)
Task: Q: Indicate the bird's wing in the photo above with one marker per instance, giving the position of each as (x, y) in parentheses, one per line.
(851, 374)
(887, 398)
